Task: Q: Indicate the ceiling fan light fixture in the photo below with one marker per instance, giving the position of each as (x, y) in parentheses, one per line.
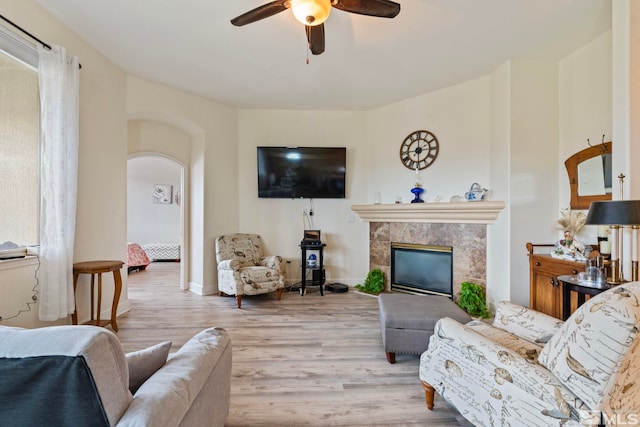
(311, 12)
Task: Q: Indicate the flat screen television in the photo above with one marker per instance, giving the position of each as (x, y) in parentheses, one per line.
(301, 172)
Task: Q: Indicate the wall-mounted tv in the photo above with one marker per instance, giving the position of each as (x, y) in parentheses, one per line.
(301, 172)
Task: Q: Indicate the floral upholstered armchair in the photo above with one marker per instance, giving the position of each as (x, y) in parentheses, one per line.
(244, 270)
(529, 369)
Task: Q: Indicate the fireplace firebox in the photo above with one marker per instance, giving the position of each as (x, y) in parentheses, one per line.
(422, 269)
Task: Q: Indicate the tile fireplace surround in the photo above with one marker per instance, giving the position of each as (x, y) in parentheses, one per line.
(460, 225)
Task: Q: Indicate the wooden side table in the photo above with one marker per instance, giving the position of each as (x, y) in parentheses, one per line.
(93, 268)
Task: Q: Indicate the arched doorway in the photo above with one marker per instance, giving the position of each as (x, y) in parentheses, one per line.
(156, 209)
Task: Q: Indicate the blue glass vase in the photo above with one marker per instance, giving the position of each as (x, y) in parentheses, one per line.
(417, 191)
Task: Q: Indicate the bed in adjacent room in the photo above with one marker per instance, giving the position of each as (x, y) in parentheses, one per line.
(137, 258)
(162, 251)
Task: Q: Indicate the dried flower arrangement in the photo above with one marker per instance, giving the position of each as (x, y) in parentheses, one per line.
(571, 221)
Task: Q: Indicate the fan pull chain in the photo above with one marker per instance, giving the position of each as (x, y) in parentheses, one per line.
(307, 30)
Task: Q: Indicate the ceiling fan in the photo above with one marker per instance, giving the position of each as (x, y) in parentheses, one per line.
(313, 13)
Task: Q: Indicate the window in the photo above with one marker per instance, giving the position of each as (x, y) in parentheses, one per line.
(19, 150)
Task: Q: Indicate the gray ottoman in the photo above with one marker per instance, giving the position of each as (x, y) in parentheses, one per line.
(407, 321)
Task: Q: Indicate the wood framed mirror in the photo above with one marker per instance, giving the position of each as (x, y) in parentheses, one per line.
(590, 176)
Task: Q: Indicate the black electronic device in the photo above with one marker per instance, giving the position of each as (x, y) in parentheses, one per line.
(338, 288)
(301, 172)
(317, 276)
(311, 237)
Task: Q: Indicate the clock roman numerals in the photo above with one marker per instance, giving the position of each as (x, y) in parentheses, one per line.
(419, 150)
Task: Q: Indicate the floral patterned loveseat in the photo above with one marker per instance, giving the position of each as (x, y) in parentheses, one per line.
(529, 369)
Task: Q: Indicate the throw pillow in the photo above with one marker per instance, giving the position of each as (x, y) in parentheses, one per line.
(144, 363)
(591, 354)
(526, 323)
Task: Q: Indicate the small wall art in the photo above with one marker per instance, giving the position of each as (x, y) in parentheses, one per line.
(162, 194)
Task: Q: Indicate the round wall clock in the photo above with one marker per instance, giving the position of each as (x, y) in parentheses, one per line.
(419, 150)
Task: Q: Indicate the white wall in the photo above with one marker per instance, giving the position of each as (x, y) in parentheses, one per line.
(149, 222)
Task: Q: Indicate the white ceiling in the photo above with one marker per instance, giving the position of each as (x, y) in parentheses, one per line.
(368, 62)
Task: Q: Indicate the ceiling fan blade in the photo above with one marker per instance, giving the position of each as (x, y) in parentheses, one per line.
(378, 8)
(315, 37)
(261, 12)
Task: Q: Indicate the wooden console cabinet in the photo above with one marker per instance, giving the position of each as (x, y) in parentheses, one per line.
(545, 290)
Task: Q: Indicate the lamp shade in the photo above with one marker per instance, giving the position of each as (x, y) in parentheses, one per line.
(614, 212)
(311, 12)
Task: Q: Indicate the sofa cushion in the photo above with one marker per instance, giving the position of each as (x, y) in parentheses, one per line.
(254, 276)
(590, 355)
(98, 347)
(144, 363)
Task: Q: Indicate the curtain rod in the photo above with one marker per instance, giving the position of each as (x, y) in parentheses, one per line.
(22, 30)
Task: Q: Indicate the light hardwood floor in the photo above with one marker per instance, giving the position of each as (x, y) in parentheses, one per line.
(302, 361)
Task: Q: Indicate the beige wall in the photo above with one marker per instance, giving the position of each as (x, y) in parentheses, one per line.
(158, 138)
(101, 217)
(280, 221)
(533, 174)
(147, 136)
(459, 116)
(626, 94)
(584, 104)
(372, 139)
(499, 257)
(213, 169)
(485, 128)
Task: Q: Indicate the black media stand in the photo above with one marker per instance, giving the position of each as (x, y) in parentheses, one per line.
(317, 272)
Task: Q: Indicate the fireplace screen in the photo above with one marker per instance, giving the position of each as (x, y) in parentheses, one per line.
(422, 269)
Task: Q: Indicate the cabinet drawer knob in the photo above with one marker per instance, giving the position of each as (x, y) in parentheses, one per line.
(537, 263)
(575, 271)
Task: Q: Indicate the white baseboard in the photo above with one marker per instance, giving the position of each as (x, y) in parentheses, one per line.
(123, 307)
(199, 289)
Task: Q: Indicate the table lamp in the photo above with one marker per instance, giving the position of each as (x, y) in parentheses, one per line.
(618, 214)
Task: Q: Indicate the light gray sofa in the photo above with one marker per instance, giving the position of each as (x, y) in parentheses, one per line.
(79, 375)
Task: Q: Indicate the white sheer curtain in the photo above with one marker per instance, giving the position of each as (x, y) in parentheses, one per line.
(59, 87)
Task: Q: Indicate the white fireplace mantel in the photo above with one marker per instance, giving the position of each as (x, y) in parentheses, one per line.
(484, 212)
